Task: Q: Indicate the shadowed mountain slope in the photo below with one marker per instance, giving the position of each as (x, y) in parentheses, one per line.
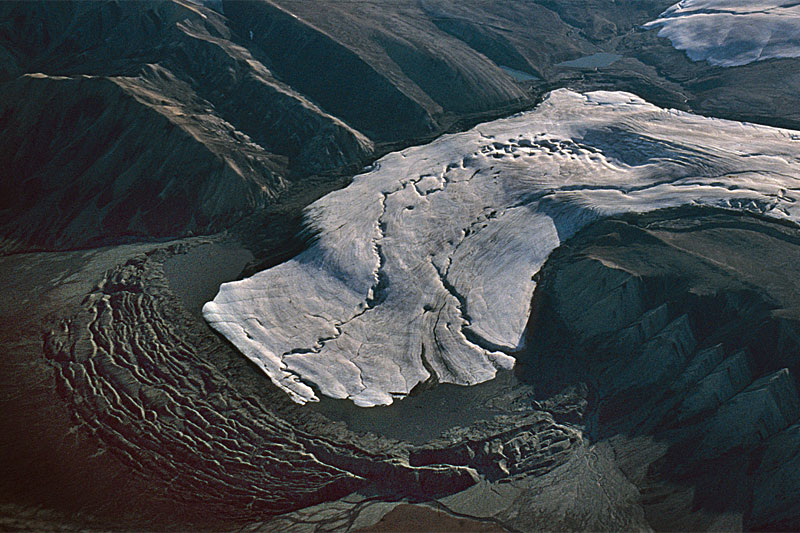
(116, 157)
(238, 132)
(310, 89)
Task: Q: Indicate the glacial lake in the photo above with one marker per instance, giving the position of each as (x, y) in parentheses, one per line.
(196, 275)
(599, 60)
(426, 415)
(518, 75)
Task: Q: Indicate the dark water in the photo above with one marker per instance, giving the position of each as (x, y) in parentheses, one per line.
(196, 275)
(425, 416)
(519, 75)
(600, 60)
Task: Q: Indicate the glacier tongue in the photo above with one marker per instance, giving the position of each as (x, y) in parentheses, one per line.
(731, 33)
(424, 266)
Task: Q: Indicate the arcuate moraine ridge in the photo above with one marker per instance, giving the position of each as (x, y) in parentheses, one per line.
(423, 268)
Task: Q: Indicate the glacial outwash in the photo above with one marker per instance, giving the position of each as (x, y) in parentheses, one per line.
(423, 269)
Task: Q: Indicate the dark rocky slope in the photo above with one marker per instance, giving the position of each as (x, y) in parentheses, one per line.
(387, 70)
(684, 325)
(234, 134)
(116, 158)
(310, 89)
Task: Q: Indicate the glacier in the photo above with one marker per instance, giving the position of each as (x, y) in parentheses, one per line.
(731, 33)
(423, 268)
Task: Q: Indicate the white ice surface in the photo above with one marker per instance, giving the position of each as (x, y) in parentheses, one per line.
(730, 33)
(424, 265)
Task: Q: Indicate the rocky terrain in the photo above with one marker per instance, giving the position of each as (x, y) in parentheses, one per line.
(143, 80)
(299, 89)
(579, 317)
(697, 357)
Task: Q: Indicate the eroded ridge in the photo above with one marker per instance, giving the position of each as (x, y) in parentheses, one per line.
(424, 266)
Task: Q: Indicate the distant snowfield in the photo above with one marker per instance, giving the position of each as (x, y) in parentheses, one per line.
(730, 33)
(423, 267)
